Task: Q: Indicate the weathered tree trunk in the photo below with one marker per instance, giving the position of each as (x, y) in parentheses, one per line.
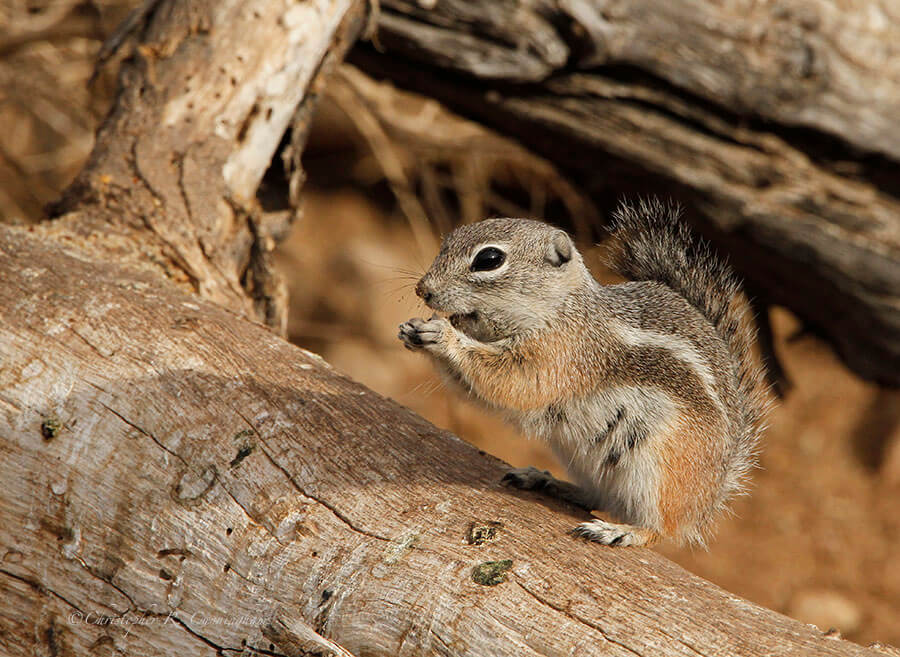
(179, 480)
(203, 485)
(207, 96)
(774, 123)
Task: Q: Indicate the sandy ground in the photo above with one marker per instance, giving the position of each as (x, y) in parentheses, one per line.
(817, 537)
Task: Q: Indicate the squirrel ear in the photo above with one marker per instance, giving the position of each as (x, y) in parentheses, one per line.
(559, 250)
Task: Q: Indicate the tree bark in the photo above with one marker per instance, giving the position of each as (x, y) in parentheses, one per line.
(206, 97)
(773, 123)
(180, 480)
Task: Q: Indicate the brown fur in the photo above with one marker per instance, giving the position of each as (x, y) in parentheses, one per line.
(530, 374)
(646, 388)
(689, 482)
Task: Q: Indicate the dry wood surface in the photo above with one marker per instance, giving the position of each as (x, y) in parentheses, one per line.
(178, 479)
(206, 486)
(207, 95)
(774, 123)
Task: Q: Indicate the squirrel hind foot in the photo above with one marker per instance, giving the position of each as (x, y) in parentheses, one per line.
(616, 535)
(531, 478)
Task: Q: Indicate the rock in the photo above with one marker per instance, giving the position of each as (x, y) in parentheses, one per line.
(826, 610)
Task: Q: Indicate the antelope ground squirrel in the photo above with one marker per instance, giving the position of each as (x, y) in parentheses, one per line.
(646, 390)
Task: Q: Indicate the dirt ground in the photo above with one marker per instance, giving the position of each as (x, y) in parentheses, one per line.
(817, 537)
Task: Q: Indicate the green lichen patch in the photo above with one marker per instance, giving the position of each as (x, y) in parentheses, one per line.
(50, 428)
(491, 573)
(479, 534)
(245, 446)
(243, 452)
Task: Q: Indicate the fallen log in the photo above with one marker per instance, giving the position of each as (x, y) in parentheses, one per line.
(773, 123)
(179, 480)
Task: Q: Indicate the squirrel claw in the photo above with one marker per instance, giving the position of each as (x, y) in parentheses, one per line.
(615, 535)
(529, 478)
(417, 332)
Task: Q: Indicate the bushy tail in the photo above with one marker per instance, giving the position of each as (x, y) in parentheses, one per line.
(652, 243)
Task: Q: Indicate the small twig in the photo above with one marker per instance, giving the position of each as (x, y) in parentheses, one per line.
(125, 29)
(68, 28)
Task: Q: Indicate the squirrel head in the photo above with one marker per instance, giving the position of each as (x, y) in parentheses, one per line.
(500, 277)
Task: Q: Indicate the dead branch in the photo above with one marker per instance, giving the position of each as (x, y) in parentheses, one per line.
(775, 127)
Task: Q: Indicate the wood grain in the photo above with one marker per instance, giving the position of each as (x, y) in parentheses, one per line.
(209, 487)
(206, 97)
(773, 123)
(178, 479)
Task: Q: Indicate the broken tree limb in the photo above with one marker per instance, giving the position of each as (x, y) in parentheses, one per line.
(205, 100)
(803, 63)
(773, 131)
(178, 480)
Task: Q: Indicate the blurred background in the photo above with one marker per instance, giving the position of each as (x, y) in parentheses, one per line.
(389, 172)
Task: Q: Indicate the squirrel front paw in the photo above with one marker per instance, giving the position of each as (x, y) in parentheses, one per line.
(418, 333)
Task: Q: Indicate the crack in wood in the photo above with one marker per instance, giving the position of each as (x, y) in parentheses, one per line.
(104, 353)
(40, 588)
(577, 619)
(191, 468)
(264, 448)
(340, 516)
(144, 432)
(212, 644)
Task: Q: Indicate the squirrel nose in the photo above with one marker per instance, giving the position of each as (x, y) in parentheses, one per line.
(424, 291)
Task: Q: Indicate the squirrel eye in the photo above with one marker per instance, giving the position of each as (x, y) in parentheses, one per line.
(487, 259)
